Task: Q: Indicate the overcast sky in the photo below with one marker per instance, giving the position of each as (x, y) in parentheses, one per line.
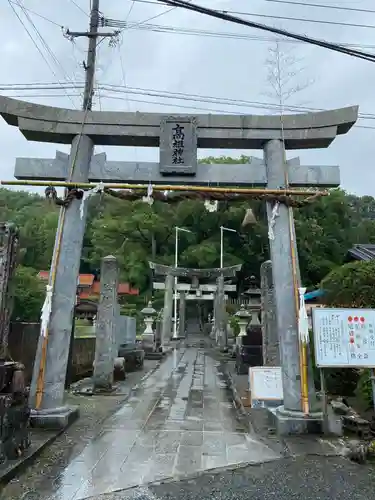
(219, 67)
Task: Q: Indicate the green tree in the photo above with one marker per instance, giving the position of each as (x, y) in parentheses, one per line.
(29, 293)
(351, 285)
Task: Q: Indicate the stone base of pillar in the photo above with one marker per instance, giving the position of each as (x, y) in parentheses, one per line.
(54, 419)
(148, 342)
(288, 423)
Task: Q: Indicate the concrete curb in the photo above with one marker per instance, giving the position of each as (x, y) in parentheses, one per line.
(236, 397)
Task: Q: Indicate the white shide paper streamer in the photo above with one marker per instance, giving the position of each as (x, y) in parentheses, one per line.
(149, 199)
(97, 189)
(211, 206)
(46, 311)
(274, 214)
(303, 320)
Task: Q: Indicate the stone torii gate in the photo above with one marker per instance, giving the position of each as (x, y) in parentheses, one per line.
(171, 272)
(178, 138)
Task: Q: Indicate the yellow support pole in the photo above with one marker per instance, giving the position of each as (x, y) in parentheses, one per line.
(167, 187)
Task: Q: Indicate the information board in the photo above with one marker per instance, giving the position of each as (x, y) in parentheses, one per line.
(344, 337)
(265, 385)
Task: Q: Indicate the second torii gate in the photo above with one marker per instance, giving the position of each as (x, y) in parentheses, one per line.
(218, 274)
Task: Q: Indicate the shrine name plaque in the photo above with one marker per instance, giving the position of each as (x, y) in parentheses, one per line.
(178, 145)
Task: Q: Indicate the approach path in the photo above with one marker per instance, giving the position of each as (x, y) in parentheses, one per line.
(178, 420)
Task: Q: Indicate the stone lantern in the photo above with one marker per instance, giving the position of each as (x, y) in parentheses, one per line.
(243, 319)
(148, 337)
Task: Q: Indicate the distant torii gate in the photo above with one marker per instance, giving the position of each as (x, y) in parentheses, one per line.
(217, 274)
(178, 138)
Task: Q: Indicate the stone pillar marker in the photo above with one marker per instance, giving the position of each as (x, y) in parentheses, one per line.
(166, 331)
(105, 352)
(221, 313)
(182, 314)
(271, 348)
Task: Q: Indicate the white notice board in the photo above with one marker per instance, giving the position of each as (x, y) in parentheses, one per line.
(344, 337)
(266, 383)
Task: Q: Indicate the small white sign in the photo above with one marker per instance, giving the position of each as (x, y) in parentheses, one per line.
(266, 383)
(344, 337)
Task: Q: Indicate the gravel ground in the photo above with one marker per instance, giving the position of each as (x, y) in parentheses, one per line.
(307, 478)
(93, 411)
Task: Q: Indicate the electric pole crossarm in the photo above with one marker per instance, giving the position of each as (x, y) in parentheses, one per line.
(89, 34)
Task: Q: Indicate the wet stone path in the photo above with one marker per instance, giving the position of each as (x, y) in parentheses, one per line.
(179, 420)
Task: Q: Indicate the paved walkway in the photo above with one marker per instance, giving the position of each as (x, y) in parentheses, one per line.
(178, 421)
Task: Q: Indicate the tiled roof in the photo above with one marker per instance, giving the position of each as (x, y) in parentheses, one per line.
(84, 279)
(362, 252)
(93, 287)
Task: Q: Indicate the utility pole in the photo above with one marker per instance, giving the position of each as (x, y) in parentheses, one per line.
(48, 382)
(93, 34)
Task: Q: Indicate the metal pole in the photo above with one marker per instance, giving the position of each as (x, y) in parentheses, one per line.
(221, 247)
(175, 287)
(323, 390)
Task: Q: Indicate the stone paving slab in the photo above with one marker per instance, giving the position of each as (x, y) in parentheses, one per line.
(178, 421)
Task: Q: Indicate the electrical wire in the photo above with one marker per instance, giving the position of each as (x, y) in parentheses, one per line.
(43, 42)
(227, 17)
(36, 14)
(307, 20)
(36, 45)
(318, 5)
(157, 28)
(124, 89)
(195, 108)
(197, 32)
(80, 8)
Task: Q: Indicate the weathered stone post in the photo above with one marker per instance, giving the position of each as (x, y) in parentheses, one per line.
(182, 314)
(271, 348)
(215, 318)
(168, 310)
(221, 313)
(105, 351)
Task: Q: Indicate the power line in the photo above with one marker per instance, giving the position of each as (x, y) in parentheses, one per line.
(237, 20)
(189, 97)
(42, 41)
(36, 14)
(282, 18)
(36, 45)
(318, 5)
(80, 8)
(206, 33)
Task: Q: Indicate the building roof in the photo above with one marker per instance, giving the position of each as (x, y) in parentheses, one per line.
(84, 279)
(362, 252)
(93, 287)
